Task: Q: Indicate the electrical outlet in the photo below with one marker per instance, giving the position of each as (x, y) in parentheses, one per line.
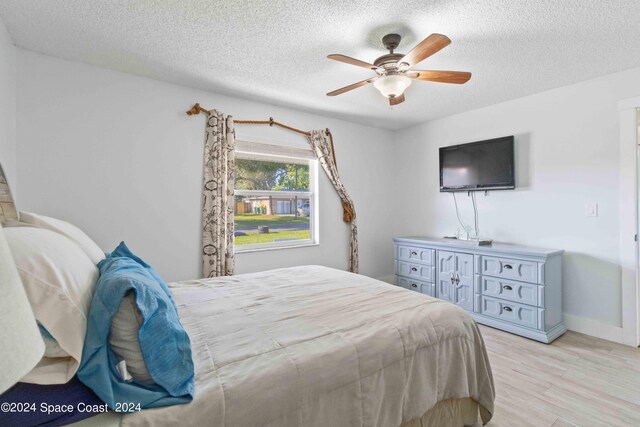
(591, 209)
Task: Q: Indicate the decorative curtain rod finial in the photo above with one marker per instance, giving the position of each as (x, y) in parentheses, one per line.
(197, 109)
(194, 110)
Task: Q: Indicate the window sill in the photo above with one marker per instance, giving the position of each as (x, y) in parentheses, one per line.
(274, 248)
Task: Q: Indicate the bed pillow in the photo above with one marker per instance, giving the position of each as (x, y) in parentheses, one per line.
(59, 280)
(69, 230)
(123, 339)
(163, 342)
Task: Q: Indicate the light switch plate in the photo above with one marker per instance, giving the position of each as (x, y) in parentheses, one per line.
(591, 209)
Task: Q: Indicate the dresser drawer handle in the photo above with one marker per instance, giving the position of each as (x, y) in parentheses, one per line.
(414, 269)
(507, 288)
(413, 285)
(414, 253)
(507, 308)
(508, 267)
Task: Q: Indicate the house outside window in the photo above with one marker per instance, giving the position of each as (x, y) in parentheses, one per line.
(275, 197)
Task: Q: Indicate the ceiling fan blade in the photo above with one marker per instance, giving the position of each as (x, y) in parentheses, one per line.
(352, 61)
(425, 49)
(455, 77)
(396, 100)
(351, 87)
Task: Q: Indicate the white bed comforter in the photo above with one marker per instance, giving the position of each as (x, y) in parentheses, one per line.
(313, 346)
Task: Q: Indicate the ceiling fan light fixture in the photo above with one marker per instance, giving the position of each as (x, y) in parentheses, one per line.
(394, 72)
(392, 85)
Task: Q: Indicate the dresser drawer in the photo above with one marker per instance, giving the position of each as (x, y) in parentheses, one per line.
(508, 268)
(509, 311)
(413, 254)
(414, 270)
(524, 293)
(416, 285)
(428, 289)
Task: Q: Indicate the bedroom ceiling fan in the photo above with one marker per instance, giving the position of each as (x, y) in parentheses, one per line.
(393, 70)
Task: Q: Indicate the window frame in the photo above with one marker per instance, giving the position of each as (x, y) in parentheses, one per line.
(283, 154)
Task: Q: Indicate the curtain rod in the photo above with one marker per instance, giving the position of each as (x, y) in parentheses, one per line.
(197, 109)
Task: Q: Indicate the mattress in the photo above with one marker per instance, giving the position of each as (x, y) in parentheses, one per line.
(313, 346)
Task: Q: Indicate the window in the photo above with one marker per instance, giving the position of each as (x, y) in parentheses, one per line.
(275, 197)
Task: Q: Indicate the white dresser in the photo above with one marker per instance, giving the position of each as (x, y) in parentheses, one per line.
(514, 288)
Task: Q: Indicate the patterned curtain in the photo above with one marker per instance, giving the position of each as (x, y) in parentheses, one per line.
(217, 197)
(322, 149)
(8, 209)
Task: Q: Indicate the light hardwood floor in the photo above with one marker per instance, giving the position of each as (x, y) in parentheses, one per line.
(577, 380)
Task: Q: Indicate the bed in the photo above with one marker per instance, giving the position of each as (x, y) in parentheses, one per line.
(313, 346)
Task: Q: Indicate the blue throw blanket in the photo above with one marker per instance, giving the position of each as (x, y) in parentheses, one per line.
(164, 343)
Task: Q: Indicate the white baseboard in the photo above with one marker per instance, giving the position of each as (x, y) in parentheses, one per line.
(593, 328)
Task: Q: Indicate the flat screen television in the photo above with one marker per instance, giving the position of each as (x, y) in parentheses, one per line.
(478, 166)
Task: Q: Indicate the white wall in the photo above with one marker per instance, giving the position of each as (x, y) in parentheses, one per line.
(117, 155)
(567, 155)
(8, 105)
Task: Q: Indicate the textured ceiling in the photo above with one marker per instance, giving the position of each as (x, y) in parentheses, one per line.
(275, 51)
